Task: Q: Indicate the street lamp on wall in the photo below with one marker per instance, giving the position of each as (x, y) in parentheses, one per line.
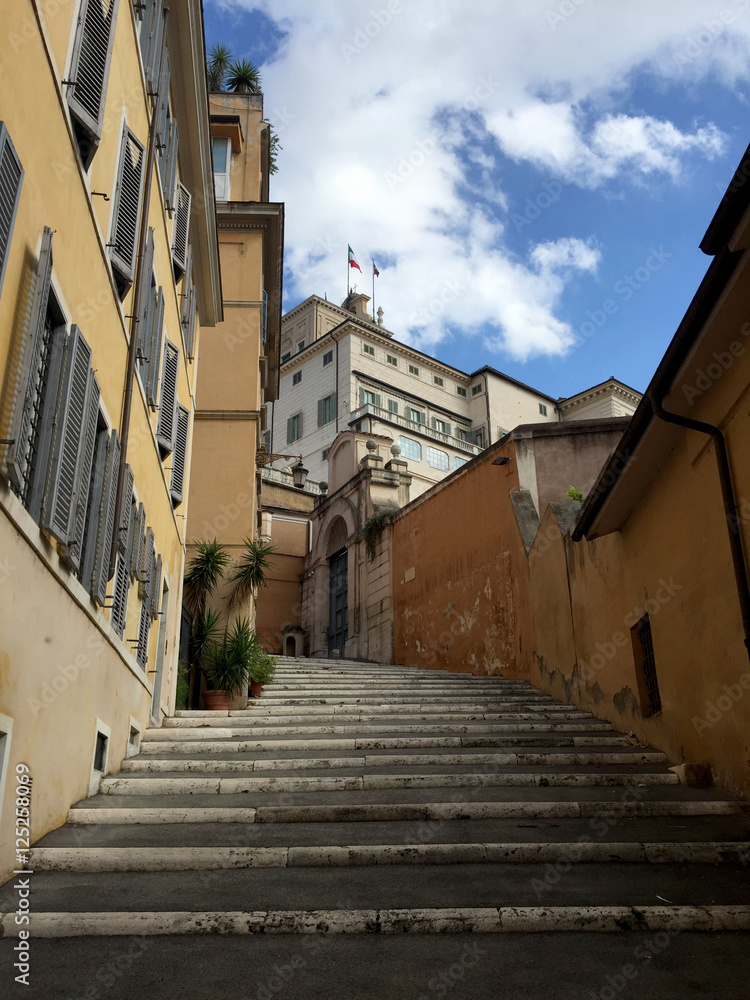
(299, 472)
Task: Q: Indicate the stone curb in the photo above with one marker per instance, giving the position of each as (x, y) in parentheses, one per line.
(532, 919)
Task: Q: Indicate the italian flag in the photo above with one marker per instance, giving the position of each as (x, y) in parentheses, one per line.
(352, 261)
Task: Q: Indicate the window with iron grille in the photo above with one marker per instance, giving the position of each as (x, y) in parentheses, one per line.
(645, 667)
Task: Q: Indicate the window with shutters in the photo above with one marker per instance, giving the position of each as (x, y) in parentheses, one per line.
(368, 398)
(118, 614)
(294, 428)
(150, 14)
(89, 71)
(169, 175)
(144, 630)
(166, 424)
(264, 317)
(441, 426)
(416, 416)
(126, 211)
(11, 179)
(392, 406)
(326, 410)
(154, 351)
(181, 230)
(179, 456)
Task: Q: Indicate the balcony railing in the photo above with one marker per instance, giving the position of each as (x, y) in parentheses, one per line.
(378, 413)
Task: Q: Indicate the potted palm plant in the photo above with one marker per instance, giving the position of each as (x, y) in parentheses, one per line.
(227, 664)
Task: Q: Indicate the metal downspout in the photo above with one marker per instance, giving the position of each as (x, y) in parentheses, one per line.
(137, 297)
(730, 504)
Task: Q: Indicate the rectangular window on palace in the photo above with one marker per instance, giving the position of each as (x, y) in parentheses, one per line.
(327, 358)
(368, 349)
(416, 416)
(438, 459)
(286, 357)
(438, 380)
(543, 409)
(392, 360)
(392, 406)
(413, 370)
(300, 346)
(461, 390)
(476, 389)
(296, 378)
(441, 426)
(458, 462)
(294, 428)
(326, 410)
(222, 159)
(410, 449)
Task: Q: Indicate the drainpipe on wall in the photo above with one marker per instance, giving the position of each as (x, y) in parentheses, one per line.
(489, 419)
(730, 504)
(137, 295)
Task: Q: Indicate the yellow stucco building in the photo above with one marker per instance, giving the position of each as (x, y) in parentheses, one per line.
(239, 358)
(108, 270)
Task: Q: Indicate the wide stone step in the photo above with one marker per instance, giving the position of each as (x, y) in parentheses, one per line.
(259, 710)
(342, 717)
(272, 729)
(454, 920)
(227, 739)
(156, 859)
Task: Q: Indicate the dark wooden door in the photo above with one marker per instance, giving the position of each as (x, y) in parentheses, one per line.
(338, 600)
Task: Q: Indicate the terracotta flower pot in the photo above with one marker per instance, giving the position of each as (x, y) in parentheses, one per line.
(256, 689)
(216, 700)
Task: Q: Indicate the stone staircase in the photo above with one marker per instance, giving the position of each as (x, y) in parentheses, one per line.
(363, 819)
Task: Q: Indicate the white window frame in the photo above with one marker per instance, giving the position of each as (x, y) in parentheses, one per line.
(328, 358)
(392, 360)
(96, 776)
(225, 174)
(414, 370)
(402, 441)
(439, 381)
(297, 378)
(461, 391)
(368, 349)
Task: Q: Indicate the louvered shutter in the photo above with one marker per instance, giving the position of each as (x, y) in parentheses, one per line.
(170, 173)
(101, 574)
(62, 485)
(146, 570)
(290, 430)
(89, 69)
(162, 112)
(362, 397)
(74, 549)
(144, 628)
(31, 380)
(156, 589)
(127, 205)
(136, 553)
(179, 457)
(120, 595)
(181, 228)
(145, 306)
(154, 354)
(166, 422)
(11, 178)
(152, 39)
(321, 412)
(377, 400)
(86, 571)
(190, 346)
(185, 291)
(123, 518)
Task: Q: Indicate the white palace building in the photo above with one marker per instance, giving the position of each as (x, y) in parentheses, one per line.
(342, 371)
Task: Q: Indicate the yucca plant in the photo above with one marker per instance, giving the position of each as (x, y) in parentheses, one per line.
(250, 571)
(204, 574)
(228, 662)
(243, 77)
(219, 60)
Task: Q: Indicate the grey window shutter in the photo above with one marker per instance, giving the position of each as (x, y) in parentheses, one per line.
(144, 628)
(321, 412)
(101, 573)
(190, 346)
(185, 291)
(63, 473)
(11, 179)
(166, 422)
(123, 518)
(31, 373)
(145, 306)
(136, 553)
(170, 173)
(127, 205)
(377, 400)
(290, 430)
(74, 549)
(156, 590)
(179, 457)
(86, 571)
(119, 611)
(362, 397)
(146, 571)
(181, 228)
(154, 354)
(89, 68)
(152, 37)
(162, 112)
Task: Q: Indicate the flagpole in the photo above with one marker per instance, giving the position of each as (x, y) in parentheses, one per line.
(373, 291)
(348, 269)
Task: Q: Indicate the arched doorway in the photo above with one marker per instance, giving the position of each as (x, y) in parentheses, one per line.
(338, 592)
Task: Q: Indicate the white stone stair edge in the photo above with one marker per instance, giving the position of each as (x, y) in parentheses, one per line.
(490, 920)
(157, 859)
(496, 758)
(445, 728)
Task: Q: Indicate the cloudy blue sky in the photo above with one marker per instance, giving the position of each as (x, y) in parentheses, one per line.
(532, 177)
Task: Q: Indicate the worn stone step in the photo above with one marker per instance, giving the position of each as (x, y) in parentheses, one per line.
(210, 738)
(519, 720)
(272, 729)
(489, 920)
(156, 859)
(475, 706)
